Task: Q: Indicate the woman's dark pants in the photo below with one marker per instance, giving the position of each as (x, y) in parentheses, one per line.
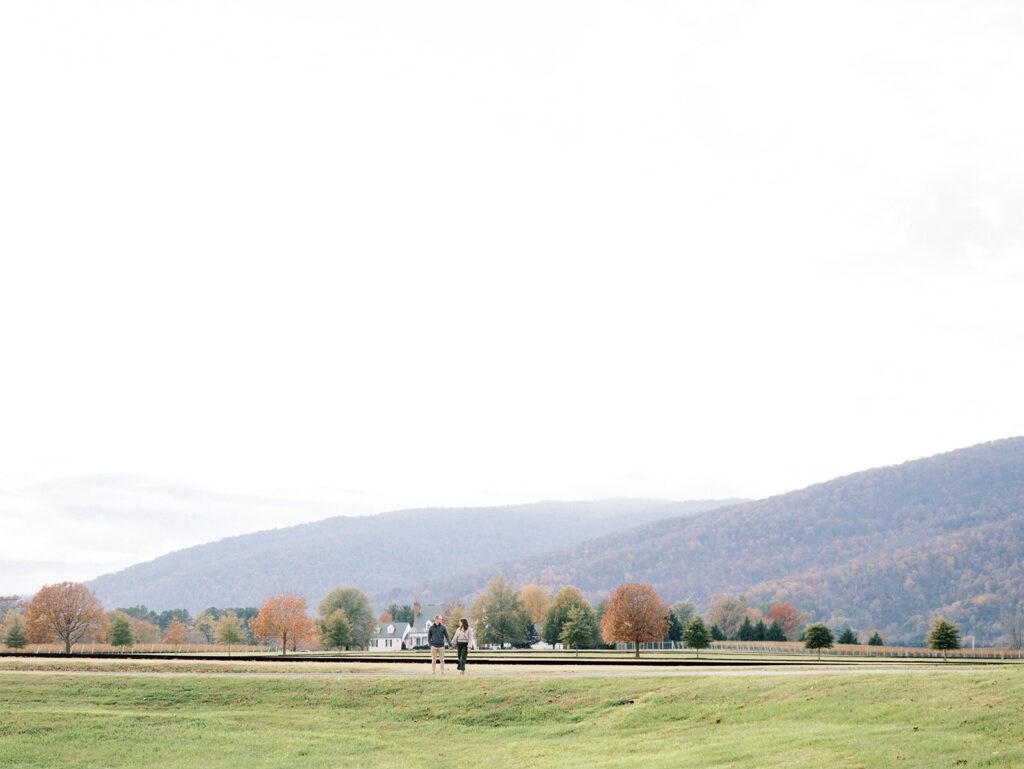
(463, 650)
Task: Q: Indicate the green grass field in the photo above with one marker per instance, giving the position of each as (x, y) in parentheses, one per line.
(947, 717)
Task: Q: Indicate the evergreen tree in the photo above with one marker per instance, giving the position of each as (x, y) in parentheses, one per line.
(760, 631)
(746, 631)
(847, 637)
(697, 636)
(121, 633)
(818, 637)
(532, 636)
(717, 634)
(400, 613)
(944, 636)
(675, 630)
(875, 640)
(16, 638)
(775, 633)
(577, 630)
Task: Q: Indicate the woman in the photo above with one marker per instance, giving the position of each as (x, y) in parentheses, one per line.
(463, 638)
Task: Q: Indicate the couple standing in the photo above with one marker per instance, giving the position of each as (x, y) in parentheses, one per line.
(437, 637)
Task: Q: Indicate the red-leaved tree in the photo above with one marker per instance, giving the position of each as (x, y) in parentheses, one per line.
(789, 619)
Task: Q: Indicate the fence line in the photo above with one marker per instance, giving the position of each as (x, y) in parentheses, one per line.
(840, 650)
(154, 648)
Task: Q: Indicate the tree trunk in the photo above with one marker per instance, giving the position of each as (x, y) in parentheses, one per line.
(637, 645)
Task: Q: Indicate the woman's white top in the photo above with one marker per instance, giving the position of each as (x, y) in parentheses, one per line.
(464, 636)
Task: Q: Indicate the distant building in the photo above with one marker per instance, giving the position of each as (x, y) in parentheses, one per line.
(391, 637)
(541, 643)
(422, 619)
(394, 636)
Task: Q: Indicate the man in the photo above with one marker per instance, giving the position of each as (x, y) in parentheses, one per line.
(437, 637)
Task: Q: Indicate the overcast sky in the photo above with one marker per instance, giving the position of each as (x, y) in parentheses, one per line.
(266, 262)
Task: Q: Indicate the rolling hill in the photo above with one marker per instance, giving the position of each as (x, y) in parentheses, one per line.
(374, 552)
(881, 549)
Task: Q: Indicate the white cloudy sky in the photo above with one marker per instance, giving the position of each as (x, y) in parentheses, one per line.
(265, 261)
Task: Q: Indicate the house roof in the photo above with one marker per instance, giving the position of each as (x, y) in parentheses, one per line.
(393, 630)
(427, 612)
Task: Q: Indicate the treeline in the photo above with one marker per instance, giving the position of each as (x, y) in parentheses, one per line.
(884, 548)
(69, 613)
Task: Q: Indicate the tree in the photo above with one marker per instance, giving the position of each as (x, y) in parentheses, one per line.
(787, 617)
(206, 623)
(536, 600)
(728, 612)
(760, 631)
(68, 611)
(358, 610)
(944, 636)
(140, 612)
(176, 633)
(775, 633)
(578, 630)
(847, 637)
(229, 630)
(337, 632)
(400, 613)
(283, 616)
(635, 614)
(875, 640)
(8, 603)
(717, 634)
(15, 637)
(675, 630)
(746, 631)
(165, 618)
(557, 614)
(121, 632)
(500, 616)
(696, 635)
(532, 637)
(818, 636)
(684, 611)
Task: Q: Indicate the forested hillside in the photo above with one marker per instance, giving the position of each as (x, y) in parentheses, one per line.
(374, 553)
(884, 548)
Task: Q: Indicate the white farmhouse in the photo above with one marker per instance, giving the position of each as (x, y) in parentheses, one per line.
(392, 636)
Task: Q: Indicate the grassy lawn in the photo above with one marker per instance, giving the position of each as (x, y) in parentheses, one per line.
(946, 718)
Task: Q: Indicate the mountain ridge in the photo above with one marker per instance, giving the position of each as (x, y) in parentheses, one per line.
(773, 548)
(373, 552)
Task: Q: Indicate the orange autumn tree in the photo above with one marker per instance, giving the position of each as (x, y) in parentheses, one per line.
(68, 611)
(634, 614)
(283, 616)
(176, 632)
(536, 600)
